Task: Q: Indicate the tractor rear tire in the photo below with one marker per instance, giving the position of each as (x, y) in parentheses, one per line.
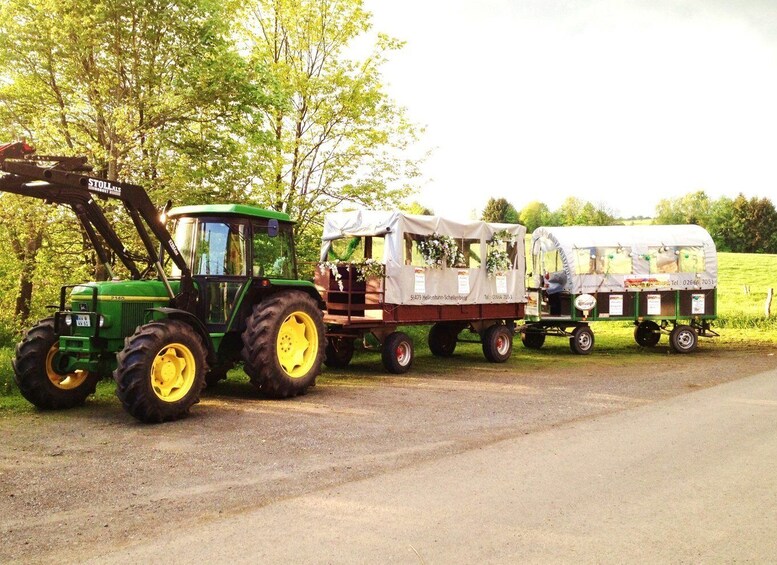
(283, 344)
(443, 338)
(498, 343)
(160, 372)
(339, 352)
(38, 381)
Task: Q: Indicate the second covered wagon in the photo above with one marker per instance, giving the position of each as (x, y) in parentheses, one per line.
(663, 278)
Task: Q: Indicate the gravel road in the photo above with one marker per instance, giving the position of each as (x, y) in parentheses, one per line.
(76, 484)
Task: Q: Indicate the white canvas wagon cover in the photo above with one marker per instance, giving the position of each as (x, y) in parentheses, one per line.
(409, 282)
(617, 258)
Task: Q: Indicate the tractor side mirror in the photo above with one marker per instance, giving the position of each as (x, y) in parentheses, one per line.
(273, 228)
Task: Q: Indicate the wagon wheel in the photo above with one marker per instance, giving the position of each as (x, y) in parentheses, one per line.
(338, 352)
(443, 338)
(647, 333)
(582, 340)
(533, 338)
(498, 343)
(397, 353)
(683, 339)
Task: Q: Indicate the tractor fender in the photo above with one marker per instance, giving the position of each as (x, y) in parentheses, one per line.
(195, 323)
(266, 287)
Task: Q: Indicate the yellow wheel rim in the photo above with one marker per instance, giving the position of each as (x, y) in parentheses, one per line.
(297, 344)
(67, 381)
(173, 372)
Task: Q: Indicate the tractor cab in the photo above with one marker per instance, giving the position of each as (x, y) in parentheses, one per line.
(229, 248)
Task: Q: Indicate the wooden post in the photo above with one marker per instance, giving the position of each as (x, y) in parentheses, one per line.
(768, 305)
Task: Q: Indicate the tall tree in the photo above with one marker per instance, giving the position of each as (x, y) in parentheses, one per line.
(534, 215)
(338, 137)
(151, 91)
(755, 222)
(417, 208)
(691, 208)
(570, 211)
(576, 212)
(499, 210)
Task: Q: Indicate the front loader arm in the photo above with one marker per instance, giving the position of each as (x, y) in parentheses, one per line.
(64, 183)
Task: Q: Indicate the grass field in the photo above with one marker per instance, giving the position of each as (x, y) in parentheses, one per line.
(738, 270)
(742, 323)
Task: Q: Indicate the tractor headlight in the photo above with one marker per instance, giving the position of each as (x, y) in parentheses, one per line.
(68, 320)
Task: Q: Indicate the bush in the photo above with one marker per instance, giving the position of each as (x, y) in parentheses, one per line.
(7, 384)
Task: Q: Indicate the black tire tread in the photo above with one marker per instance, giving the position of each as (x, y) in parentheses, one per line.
(443, 338)
(29, 367)
(533, 338)
(647, 334)
(338, 355)
(575, 347)
(388, 353)
(259, 342)
(674, 340)
(490, 351)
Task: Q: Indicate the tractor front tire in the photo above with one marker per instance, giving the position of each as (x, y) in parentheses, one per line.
(35, 374)
(161, 371)
(283, 344)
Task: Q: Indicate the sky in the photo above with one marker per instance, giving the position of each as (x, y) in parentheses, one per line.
(620, 103)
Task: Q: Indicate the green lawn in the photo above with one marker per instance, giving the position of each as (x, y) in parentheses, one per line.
(738, 270)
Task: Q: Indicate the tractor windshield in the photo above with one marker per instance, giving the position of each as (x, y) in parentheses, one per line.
(216, 248)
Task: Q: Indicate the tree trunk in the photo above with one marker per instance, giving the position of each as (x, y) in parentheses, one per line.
(29, 252)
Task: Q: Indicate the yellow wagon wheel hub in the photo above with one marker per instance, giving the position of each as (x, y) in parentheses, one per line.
(173, 372)
(297, 344)
(66, 381)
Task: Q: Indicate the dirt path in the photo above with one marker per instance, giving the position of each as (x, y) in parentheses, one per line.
(74, 483)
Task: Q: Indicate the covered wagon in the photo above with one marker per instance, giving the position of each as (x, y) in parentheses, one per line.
(381, 270)
(655, 276)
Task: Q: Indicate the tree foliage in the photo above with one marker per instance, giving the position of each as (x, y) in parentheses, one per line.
(337, 137)
(417, 208)
(499, 210)
(741, 225)
(577, 212)
(199, 100)
(692, 208)
(534, 215)
(152, 92)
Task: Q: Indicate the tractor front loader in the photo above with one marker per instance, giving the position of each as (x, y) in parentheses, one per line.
(220, 286)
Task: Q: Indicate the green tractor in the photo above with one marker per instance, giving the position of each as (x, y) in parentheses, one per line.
(219, 287)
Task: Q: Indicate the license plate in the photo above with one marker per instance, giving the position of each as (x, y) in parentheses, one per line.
(82, 321)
